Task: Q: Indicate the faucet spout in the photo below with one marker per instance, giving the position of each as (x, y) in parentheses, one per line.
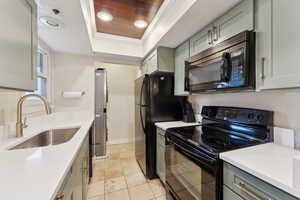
(20, 125)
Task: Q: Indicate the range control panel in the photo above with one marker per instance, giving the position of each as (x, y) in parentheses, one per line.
(238, 115)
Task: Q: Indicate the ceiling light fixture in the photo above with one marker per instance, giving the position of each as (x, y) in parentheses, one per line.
(51, 22)
(140, 23)
(105, 16)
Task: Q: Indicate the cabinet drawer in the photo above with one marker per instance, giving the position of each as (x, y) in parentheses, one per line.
(229, 195)
(247, 186)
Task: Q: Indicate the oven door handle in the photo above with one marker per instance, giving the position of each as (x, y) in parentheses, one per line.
(195, 156)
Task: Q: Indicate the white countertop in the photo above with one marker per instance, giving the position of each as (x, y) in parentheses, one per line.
(174, 124)
(37, 173)
(270, 162)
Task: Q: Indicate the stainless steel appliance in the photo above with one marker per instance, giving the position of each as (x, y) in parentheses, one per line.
(154, 102)
(99, 138)
(194, 170)
(228, 66)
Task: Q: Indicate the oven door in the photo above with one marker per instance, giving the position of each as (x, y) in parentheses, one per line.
(191, 175)
(210, 73)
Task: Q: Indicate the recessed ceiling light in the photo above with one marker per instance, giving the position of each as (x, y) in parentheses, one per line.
(140, 23)
(105, 16)
(51, 22)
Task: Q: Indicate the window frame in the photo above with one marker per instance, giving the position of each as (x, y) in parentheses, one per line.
(45, 74)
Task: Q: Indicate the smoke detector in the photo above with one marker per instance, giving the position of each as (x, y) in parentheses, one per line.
(51, 22)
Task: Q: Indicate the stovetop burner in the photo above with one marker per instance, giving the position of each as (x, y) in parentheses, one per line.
(214, 141)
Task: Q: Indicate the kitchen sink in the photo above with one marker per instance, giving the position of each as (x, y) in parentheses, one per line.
(51, 137)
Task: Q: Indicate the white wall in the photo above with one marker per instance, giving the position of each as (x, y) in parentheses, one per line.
(73, 73)
(76, 73)
(121, 121)
(285, 104)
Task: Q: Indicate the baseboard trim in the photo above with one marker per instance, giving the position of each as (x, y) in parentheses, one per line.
(124, 141)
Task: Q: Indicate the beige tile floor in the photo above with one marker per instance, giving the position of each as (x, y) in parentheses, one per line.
(119, 177)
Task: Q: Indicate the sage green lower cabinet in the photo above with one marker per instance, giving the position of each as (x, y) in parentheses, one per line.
(75, 184)
(229, 195)
(67, 191)
(278, 41)
(181, 54)
(160, 154)
(240, 185)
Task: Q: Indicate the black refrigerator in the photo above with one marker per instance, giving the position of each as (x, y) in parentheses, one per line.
(154, 102)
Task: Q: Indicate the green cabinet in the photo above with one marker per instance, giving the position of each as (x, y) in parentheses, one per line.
(230, 195)
(277, 44)
(159, 60)
(240, 185)
(201, 41)
(144, 68)
(18, 44)
(160, 154)
(236, 20)
(181, 54)
(67, 191)
(75, 185)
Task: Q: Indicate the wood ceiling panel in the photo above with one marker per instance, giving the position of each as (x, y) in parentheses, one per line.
(125, 13)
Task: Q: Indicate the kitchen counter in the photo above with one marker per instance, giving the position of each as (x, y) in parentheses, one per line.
(270, 162)
(174, 124)
(38, 173)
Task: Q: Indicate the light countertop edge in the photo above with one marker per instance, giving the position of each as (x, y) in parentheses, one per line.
(262, 162)
(38, 173)
(174, 124)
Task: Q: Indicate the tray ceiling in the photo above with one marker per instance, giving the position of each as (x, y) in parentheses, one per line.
(124, 13)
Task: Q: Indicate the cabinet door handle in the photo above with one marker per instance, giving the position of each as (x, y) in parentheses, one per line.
(262, 75)
(251, 193)
(60, 197)
(210, 37)
(216, 34)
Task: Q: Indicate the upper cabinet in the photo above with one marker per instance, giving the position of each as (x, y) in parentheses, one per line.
(238, 19)
(18, 44)
(181, 54)
(201, 41)
(159, 60)
(278, 40)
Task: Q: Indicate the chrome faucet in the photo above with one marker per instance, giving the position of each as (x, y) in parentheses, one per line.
(20, 125)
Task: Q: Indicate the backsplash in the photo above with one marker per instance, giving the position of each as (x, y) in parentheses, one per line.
(8, 112)
(8, 106)
(284, 103)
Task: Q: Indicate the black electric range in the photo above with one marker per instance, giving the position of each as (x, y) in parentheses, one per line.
(194, 170)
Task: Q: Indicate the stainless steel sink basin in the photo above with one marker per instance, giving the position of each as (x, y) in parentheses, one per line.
(51, 137)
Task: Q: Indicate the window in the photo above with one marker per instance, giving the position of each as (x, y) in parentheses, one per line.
(42, 73)
(43, 78)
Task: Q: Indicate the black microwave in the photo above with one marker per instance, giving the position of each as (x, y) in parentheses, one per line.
(228, 66)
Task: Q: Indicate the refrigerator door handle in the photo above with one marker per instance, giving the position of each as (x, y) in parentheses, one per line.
(141, 114)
